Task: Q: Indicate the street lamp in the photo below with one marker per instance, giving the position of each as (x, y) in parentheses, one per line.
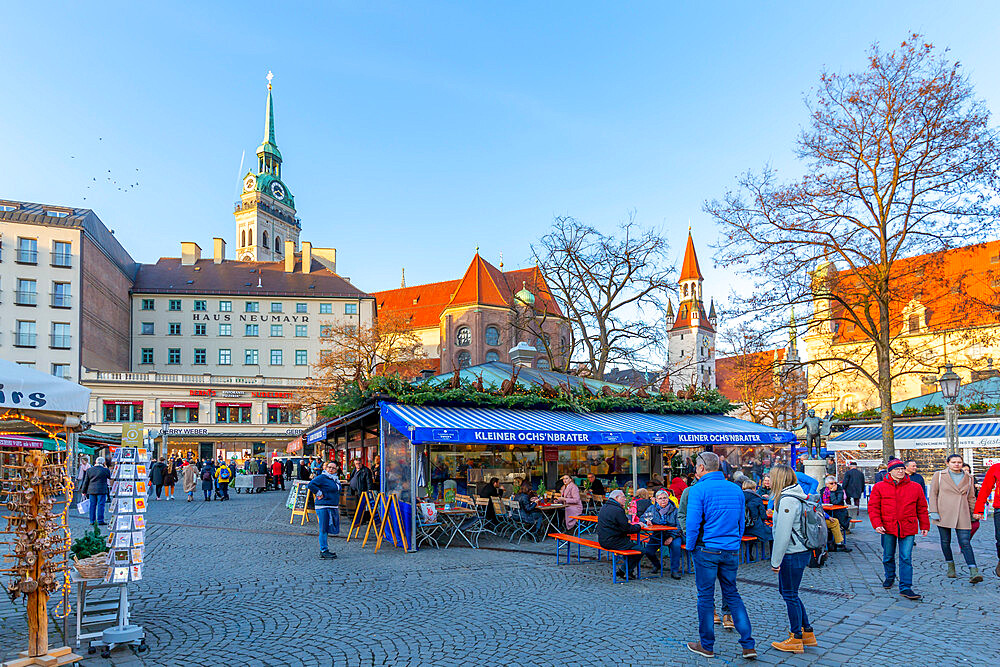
(950, 382)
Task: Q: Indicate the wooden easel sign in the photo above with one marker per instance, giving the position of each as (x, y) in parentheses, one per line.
(301, 508)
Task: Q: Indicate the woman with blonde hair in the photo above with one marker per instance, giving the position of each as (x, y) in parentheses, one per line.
(790, 556)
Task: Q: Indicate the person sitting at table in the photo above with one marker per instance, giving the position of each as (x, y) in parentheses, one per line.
(677, 486)
(491, 489)
(756, 513)
(571, 498)
(764, 489)
(834, 494)
(615, 532)
(640, 503)
(836, 534)
(663, 513)
(526, 500)
(596, 486)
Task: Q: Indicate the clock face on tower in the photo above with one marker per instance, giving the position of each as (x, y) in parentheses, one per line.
(249, 183)
(277, 190)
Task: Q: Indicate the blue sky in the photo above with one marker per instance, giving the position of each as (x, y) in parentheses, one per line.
(413, 132)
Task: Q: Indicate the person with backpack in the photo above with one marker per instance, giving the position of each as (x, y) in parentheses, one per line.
(790, 554)
(898, 509)
(223, 475)
(208, 479)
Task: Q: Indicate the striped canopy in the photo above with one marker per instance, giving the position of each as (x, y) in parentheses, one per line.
(972, 433)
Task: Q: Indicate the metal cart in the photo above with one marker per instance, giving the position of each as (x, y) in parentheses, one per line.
(250, 483)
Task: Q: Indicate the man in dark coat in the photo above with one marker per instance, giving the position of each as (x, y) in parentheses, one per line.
(157, 473)
(304, 473)
(96, 486)
(596, 485)
(615, 532)
(854, 484)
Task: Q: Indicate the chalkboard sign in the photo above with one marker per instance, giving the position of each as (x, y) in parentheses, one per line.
(292, 492)
(300, 501)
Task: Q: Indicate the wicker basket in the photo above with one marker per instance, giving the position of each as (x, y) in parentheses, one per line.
(94, 567)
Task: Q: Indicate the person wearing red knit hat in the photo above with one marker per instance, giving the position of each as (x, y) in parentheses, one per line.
(897, 508)
(991, 484)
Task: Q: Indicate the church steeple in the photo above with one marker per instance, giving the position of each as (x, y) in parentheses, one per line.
(268, 155)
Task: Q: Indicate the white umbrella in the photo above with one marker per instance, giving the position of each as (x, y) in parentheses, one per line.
(24, 388)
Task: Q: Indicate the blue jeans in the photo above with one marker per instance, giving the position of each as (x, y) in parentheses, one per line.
(996, 528)
(535, 517)
(329, 522)
(709, 565)
(654, 549)
(964, 543)
(889, 543)
(97, 503)
(789, 578)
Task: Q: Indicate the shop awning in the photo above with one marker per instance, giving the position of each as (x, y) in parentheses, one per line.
(973, 433)
(501, 426)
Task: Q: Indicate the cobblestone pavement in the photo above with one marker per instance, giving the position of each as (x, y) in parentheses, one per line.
(233, 583)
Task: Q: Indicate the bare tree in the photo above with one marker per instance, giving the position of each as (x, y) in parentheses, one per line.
(901, 166)
(612, 289)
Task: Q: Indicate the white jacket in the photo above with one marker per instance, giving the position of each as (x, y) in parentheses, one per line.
(787, 519)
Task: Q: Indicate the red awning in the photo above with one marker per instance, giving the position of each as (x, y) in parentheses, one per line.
(294, 446)
(179, 404)
(118, 402)
(233, 405)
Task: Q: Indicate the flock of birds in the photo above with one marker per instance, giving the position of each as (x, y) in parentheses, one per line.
(112, 178)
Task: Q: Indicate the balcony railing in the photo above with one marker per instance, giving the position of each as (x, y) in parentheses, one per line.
(24, 339)
(60, 341)
(25, 298)
(182, 378)
(62, 259)
(27, 256)
(61, 301)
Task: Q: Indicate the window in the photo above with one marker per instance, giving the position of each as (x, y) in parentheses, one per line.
(199, 356)
(492, 355)
(61, 295)
(276, 330)
(200, 329)
(243, 237)
(179, 415)
(301, 308)
(27, 292)
(351, 308)
(225, 329)
(301, 330)
(174, 355)
(275, 306)
(276, 358)
(542, 364)
(174, 304)
(463, 338)
(147, 329)
(147, 355)
(252, 330)
(225, 306)
(62, 254)
(200, 304)
(174, 329)
(301, 358)
(277, 245)
(325, 331)
(122, 412)
(57, 214)
(60, 370)
(25, 334)
(148, 304)
(251, 357)
(232, 414)
(279, 414)
(60, 336)
(251, 307)
(914, 323)
(27, 251)
(464, 359)
(492, 335)
(225, 357)
(265, 244)
(325, 308)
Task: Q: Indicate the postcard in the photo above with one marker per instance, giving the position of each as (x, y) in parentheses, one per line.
(138, 521)
(126, 454)
(140, 488)
(122, 540)
(142, 454)
(140, 504)
(136, 556)
(138, 538)
(136, 572)
(126, 488)
(140, 471)
(126, 504)
(120, 556)
(123, 522)
(120, 575)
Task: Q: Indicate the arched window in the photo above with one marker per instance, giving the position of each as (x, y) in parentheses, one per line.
(463, 337)
(542, 364)
(243, 238)
(685, 290)
(492, 355)
(277, 244)
(265, 240)
(492, 336)
(464, 359)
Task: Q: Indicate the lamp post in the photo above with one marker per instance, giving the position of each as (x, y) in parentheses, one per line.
(950, 382)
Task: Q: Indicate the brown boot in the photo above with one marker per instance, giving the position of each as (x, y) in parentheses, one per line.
(718, 621)
(790, 645)
(727, 621)
(809, 638)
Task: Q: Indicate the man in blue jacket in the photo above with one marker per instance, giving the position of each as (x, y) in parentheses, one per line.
(326, 489)
(715, 518)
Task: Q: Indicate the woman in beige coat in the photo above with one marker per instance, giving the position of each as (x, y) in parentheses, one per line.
(952, 499)
(190, 475)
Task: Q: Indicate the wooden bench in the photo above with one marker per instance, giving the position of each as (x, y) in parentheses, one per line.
(562, 539)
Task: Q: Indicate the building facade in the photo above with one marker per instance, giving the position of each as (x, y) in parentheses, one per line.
(64, 290)
(691, 339)
(482, 317)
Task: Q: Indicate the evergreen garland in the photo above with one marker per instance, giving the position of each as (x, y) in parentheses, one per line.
(468, 394)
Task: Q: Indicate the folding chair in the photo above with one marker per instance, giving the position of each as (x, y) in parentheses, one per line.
(427, 532)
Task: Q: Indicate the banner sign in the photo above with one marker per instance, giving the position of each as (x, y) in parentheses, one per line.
(316, 435)
(17, 441)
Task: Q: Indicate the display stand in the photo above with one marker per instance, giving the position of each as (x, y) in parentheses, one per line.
(301, 507)
(389, 507)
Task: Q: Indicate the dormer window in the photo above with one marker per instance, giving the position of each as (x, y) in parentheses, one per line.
(914, 323)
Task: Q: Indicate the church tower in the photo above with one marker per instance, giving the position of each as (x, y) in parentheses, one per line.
(691, 339)
(265, 214)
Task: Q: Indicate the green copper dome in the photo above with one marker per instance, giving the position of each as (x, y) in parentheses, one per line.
(525, 296)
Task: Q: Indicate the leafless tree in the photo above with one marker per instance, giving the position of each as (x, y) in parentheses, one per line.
(611, 288)
(900, 166)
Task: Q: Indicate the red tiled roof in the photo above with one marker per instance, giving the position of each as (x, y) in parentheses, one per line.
(421, 304)
(690, 269)
(482, 284)
(743, 374)
(684, 311)
(955, 287)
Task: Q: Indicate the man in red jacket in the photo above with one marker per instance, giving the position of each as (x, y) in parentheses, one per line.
(897, 507)
(276, 470)
(990, 484)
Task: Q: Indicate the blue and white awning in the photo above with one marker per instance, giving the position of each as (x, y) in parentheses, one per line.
(501, 426)
(978, 433)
